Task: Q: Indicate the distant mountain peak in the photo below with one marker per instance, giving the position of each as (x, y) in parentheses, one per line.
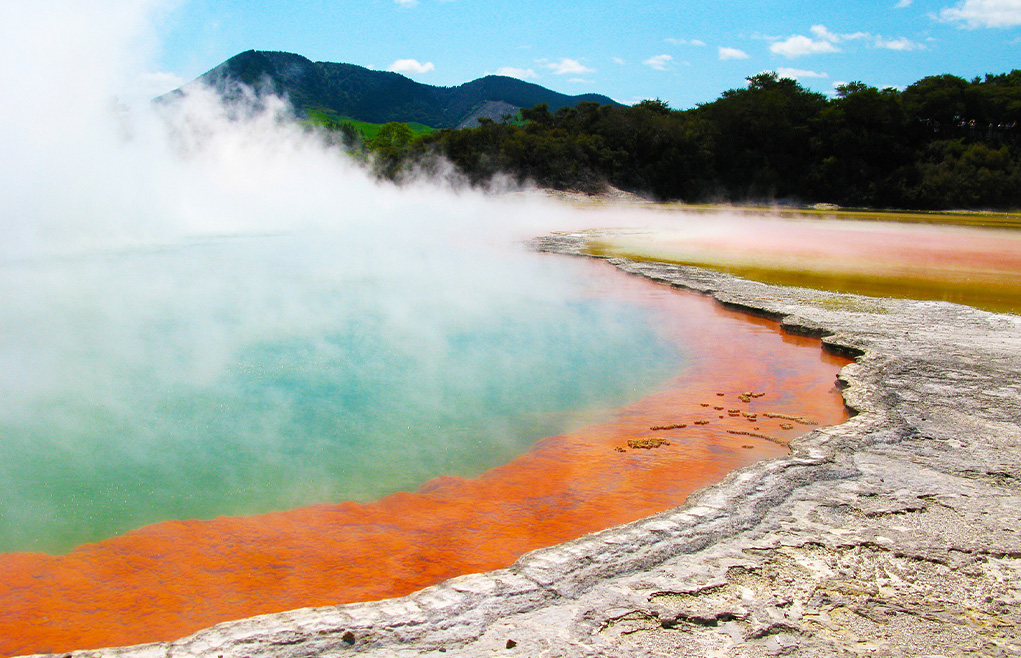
(378, 96)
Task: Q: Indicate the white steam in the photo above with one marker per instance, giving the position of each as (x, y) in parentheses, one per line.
(83, 168)
(83, 175)
(170, 277)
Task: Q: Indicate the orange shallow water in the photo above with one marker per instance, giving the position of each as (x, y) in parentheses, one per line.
(170, 579)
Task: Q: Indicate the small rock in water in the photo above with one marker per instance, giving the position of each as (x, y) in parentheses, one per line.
(646, 444)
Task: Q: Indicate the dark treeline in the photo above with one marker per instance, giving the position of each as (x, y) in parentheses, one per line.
(944, 142)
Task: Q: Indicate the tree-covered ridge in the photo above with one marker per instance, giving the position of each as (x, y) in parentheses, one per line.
(374, 96)
(943, 142)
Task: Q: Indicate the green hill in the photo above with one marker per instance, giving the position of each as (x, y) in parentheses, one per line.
(377, 96)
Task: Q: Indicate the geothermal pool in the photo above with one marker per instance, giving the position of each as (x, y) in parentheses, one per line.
(243, 375)
(187, 422)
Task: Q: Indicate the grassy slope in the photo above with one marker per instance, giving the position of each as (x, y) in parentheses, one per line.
(368, 130)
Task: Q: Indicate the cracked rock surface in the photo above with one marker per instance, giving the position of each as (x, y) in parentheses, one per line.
(897, 533)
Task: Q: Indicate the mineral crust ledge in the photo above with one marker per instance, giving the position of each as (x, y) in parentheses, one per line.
(897, 533)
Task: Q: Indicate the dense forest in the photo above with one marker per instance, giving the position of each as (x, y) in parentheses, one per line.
(943, 142)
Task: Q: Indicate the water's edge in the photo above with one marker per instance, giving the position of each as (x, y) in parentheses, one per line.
(773, 553)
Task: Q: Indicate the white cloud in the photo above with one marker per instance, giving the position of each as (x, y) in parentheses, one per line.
(821, 32)
(799, 45)
(824, 42)
(799, 74)
(410, 66)
(984, 13)
(659, 62)
(686, 42)
(732, 53)
(407, 3)
(901, 4)
(512, 72)
(566, 66)
(618, 60)
(902, 43)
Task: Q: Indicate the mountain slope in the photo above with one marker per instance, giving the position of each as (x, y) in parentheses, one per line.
(376, 96)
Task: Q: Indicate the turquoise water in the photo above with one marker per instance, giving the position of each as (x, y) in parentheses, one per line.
(244, 375)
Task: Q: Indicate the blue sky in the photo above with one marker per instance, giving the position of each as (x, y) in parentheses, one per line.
(684, 52)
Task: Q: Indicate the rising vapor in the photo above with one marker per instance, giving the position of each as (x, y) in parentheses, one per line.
(209, 311)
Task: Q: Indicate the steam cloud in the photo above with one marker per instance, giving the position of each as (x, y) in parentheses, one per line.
(157, 264)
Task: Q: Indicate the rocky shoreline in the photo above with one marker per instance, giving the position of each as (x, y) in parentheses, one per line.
(894, 534)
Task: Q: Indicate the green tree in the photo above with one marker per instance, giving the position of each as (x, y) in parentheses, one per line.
(390, 149)
(954, 174)
(392, 135)
(860, 138)
(939, 100)
(762, 136)
(539, 115)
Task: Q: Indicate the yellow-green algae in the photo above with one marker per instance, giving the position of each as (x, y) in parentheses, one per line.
(996, 290)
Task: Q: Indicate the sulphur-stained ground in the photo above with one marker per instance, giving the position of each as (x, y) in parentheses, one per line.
(894, 534)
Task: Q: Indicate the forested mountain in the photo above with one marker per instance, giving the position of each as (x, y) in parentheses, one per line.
(942, 142)
(356, 92)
